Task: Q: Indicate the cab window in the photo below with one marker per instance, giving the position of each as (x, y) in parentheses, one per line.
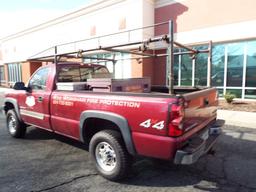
(38, 80)
(80, 74)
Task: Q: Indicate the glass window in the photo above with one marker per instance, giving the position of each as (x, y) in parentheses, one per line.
(201, 68)
(250, 94)
(109, 64)
(235, 64)
(38, 81)
(220, 92)
(14, 72)
(236, 92)
(94, 72)
(69, 74)
(120, 67)
(186, 70)
(78, 74)
(2, 73)
(176, 70)
(218, 59)
(251, 65)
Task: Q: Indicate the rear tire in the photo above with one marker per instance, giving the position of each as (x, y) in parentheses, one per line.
(16, 128)
(109, 153)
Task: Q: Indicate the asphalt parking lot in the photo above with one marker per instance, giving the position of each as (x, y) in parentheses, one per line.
(47, 162)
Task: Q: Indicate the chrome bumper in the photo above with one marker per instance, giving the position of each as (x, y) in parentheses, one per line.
(199, 145)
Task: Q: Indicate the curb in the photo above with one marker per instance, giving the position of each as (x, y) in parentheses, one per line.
(238, 118)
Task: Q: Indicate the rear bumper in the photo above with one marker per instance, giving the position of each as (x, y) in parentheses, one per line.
(199, 145)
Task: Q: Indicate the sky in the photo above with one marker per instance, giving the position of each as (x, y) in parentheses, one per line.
(17, 15)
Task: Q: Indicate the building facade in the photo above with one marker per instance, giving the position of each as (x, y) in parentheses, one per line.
(230, 25)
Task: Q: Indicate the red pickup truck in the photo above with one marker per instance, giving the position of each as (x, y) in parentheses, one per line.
(117, 125)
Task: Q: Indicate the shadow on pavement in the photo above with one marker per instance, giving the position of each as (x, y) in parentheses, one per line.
(40, 134)
(232, 168)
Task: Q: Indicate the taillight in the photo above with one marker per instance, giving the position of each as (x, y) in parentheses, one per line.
(176, 119)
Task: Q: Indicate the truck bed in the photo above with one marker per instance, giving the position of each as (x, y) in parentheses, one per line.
(155, 91)
(200, 104)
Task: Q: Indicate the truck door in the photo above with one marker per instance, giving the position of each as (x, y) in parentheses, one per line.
(34, 104)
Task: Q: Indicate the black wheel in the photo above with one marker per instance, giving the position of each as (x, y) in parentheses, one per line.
(110, 155)
(15, 127)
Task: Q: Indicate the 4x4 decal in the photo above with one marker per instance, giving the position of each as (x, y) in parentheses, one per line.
(151, 123)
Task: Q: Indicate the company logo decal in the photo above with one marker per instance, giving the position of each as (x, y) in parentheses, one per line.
(30, 101)
(70, 101)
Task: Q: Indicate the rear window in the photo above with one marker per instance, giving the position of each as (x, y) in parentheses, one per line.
(81, 74)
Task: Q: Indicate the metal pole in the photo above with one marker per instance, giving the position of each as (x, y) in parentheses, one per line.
(114, 65)
(209, 65)
(179, 73)
(152, 40)
(190, 52)
(129, 52)
(193, 71)
(171, 58)
(56, 61)
(185, 47)
(55, 55)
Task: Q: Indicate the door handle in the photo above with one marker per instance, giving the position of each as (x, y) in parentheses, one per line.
(40, 99)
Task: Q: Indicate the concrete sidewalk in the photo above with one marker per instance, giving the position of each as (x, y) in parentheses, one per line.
(238, 118)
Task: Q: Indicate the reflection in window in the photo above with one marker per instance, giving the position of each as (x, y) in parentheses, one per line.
(121, 67)
(236, 92)
(108, 64)
(186, 70)
(176, 70)
(38, 81)
(69, 74)
(251, 65)
(218, 59)
(234, 56)
(250, 94)
(2, 73)
(235, 64)
(14, 72)
(81, 74)
(201, 68)
(220, 92)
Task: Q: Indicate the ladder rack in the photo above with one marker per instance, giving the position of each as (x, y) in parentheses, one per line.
(138, 49)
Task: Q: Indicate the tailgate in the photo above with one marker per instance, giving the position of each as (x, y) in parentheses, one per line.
(200, 108)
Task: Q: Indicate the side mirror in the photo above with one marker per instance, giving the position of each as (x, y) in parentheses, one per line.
(20, 86)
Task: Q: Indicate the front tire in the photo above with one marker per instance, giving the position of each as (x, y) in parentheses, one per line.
(111, 158)
(15, 127)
